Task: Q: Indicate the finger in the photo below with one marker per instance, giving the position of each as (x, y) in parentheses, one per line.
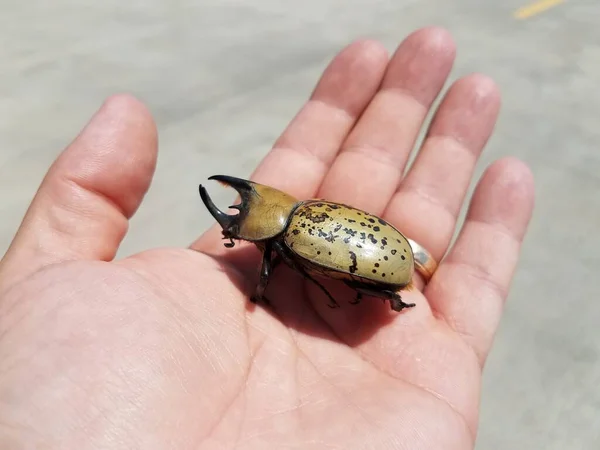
(470, 287)
(370, 166)
(82, 207)
(429, 199)
(302, 155)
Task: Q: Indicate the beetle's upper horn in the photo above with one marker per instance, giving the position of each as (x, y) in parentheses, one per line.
(243, 187)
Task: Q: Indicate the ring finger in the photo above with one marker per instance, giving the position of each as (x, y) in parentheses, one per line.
(369, 167)
(429, 199)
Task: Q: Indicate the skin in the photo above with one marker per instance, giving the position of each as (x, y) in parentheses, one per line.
(162, 349)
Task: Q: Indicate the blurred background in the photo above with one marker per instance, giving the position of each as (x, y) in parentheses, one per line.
(224, 77)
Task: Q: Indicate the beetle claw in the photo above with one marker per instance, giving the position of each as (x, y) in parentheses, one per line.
(229, 244)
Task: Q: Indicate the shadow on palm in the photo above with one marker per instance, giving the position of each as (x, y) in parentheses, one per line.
(299, 304)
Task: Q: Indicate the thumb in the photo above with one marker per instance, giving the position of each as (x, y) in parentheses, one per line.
(82, 208)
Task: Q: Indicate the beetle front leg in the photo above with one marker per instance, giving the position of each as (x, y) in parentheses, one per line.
(265, 273)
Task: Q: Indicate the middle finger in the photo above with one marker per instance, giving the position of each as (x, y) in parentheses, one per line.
(369, 167)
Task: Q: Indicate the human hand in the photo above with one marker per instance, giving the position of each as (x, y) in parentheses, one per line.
(162, 349)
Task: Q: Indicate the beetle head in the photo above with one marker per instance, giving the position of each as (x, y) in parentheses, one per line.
(263, 210)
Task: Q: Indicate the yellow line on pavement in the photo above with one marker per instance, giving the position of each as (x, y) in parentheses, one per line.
(536, 8)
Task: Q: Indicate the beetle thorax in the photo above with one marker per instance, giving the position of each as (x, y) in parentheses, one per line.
(266, 215)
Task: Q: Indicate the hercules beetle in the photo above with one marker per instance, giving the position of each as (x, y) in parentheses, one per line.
(318, 237)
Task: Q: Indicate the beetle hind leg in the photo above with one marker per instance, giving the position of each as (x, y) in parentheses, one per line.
(397, 303)
(333, 303)
(357, 300)
(290, 262)
(395, 298)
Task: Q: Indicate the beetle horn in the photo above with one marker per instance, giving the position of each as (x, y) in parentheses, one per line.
(243, 187)
(224, 220)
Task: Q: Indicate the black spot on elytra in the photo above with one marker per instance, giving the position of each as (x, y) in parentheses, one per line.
(393, 252)
(318, 252)
(352, 268)
(303, 225)
(334, 206)
(383, 274)
(376, 264)
(382, 247)
(337, 228)
(351, 220)
(372, 220)
(363, 236)
(372, 238)
(313, 216)
(329, 237)
(374, 271)
(346, 240)
(405, 251)
(362, 224)
(350, 231)
(358, 246)
(384, 242)
(329, 253)
(319, 205)
(310, 231)
(382, 222)
(295, 231)
(359, 214)
(398, 241)
(385, 257)
(376, 228)
(403, 257)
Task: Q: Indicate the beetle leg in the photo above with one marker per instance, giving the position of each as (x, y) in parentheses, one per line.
(265, 273)
(397, 303)
(333, 303)
(395, 299)
(289, 261)
(357, 300)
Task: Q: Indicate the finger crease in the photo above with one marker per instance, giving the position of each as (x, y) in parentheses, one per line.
(445, 140)
(378, 154)
(498, 227)
(479, 274)
(338, 109)
(434, 200)
(107, 199)
(316, 156)
(406, 94)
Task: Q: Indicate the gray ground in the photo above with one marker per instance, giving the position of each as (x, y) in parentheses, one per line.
(223, 78)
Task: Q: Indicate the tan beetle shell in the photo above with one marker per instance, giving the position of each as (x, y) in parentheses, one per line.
(351, 242)
(266, 214)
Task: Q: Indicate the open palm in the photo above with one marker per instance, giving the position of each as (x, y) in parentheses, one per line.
(163, 349)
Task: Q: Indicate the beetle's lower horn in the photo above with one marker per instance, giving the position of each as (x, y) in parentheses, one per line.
(223, 219)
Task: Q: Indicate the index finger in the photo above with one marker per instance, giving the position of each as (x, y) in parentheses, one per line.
(302, 155)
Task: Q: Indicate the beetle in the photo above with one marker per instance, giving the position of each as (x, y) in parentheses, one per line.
(316, 237)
